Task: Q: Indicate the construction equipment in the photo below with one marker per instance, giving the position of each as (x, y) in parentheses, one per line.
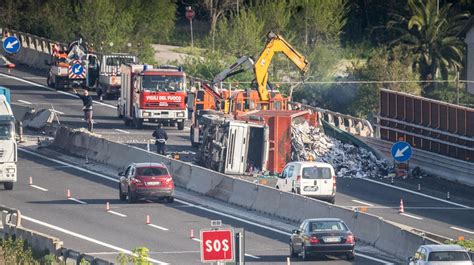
(70, 67)
(109, 81)
(152, 94)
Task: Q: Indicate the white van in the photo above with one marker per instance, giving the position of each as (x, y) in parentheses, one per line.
(312, 179)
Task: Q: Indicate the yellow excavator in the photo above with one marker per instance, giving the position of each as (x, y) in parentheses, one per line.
(264, 97)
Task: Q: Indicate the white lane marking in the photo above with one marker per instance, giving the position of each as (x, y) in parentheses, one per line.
(363, 203)
(159, 227)
(416, 193)
(38, 187)
(189, 204)
(197, 239)
(462, 230)
(92, 240)
(251, 256)
(58, 112)
(122, 131)
(24, 102)
(76, 200)
(116, 213)
(34, 77)
(54, 90)
(411, 216)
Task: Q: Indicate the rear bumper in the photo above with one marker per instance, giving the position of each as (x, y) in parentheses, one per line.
(154, 193)
(330, 248)
(319, 197)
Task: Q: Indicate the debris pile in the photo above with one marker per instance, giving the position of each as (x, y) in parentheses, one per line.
(348, 160)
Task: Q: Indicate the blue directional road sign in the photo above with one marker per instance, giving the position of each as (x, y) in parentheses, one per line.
(77, 69)
(11, 44)
(401, 151)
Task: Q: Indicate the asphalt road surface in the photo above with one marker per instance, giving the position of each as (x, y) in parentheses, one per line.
(83, 223)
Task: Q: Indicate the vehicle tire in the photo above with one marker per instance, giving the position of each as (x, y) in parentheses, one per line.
(8, 185)
(181, 125)
(350, 255)
(126, 121)
(119, 114)
(332, 200)
(292, 251)
(122, 196)
(277, 187)
(170, 199)
(131, 196)
(304, 255)
(137, 123)
(49, 83)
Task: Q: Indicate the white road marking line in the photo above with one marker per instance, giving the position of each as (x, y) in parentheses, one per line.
(159, 227)
(38, 187)
(118, 214)
(416, 193)
(76, 200)
(92, 240)
(34, 77)
(122, 131)
(411, 216)
(189, 204)
(462, 230)
(54, 90)
(24, 101)
(251, 256)
(363, 203)
(197, 239)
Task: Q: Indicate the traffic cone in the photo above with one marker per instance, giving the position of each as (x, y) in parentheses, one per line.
(107, 207)
(31, 180)
(68, 193)
(402, 209)
(192, 234)
(148, 219)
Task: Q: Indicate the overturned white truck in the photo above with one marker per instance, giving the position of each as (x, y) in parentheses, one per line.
(233, 147)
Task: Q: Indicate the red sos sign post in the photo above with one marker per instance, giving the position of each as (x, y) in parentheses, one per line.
(217, 245)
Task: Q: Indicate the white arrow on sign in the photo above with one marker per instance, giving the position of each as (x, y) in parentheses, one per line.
(77, 70)
(11, 44)
(399, 152)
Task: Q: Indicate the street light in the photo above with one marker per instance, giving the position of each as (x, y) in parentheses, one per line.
(190, 15)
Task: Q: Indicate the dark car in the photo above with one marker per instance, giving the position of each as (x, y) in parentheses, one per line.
(322, 236)
(146, 181)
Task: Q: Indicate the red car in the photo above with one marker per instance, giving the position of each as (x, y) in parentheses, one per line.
(146, 181)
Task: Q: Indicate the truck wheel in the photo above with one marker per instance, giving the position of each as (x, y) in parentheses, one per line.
(126, 121)
(181, 125)
(8, 185)
(137, 123)
(49, 82)
(119, 113)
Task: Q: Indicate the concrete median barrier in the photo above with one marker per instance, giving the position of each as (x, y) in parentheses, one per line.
(390, 237)
(39, 242)
(244, 193)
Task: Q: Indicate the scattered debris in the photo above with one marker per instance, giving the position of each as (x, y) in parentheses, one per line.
(40, 119)
(310, 143)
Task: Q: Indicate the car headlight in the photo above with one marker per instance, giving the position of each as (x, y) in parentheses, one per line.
(146, 114)
(10, 170)
(180, 114)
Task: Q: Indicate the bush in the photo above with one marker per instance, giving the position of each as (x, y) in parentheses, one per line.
(467, 244)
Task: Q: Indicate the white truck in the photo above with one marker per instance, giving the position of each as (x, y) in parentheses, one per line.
(8, 145)
(109, 82)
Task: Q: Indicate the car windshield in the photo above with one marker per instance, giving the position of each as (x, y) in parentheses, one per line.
(151, 171)
(163, 83)
(448, 256)
(327, 226)
(117, 61)
(5, 131)
(316, 173)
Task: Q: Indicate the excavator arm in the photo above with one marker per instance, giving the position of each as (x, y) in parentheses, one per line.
(243, 63)
(275, 43)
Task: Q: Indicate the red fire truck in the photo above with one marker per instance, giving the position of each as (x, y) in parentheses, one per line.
(152, 94)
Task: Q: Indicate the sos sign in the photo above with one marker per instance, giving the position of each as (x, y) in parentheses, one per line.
(217, 245)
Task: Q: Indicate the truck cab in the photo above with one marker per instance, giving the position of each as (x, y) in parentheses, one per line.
(152, 94)
(109, 81)
(8, 146)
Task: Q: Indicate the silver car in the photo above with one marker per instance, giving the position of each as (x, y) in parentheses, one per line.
(440, 255)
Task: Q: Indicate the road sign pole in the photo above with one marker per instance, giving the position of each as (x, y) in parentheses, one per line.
(240, 248)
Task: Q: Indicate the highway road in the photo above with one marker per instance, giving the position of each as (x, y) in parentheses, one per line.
(83, 223)
(447, 218)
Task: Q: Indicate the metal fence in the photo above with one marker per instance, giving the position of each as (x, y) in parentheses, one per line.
(427, 124)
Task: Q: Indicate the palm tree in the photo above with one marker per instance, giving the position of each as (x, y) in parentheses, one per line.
(431, 36)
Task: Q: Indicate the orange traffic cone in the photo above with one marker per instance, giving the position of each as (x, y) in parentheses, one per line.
(68, 193)
(31, 180)
(402, 209)
(107, 206)
(148, 220)
(192, 234)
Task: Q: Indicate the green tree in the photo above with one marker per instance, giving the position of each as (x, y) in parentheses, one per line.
(275, 15)
(432, 37)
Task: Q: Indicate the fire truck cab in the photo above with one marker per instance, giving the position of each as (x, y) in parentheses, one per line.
(152, 94)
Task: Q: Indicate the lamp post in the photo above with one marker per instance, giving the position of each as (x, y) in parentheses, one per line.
(190, 15)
